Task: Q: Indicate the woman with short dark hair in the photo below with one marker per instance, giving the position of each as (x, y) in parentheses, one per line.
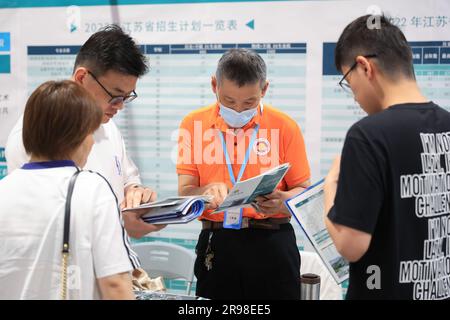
(93, 261)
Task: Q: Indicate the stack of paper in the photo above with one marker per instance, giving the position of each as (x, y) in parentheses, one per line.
(173, 210)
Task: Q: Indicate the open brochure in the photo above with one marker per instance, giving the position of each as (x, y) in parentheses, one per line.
(308, 209)
(173, 210)
(244, 192)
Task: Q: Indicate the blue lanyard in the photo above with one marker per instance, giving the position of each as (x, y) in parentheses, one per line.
(247, 155)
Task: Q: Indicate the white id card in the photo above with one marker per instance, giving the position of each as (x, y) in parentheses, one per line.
(233, 218)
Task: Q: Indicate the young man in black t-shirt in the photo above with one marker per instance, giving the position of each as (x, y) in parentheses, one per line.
(387, 199)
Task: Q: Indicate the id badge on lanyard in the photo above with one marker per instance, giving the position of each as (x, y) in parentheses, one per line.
(233, 217)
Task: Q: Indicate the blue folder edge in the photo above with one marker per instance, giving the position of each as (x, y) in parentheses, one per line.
(196, 210)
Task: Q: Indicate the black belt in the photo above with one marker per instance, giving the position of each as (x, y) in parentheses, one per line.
(249, 223)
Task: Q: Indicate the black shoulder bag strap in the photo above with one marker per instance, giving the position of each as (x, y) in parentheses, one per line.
(66, 233)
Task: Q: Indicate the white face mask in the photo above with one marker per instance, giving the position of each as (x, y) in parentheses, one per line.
(236, 119)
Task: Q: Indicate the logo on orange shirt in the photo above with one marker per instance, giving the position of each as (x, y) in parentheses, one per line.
(261, 146)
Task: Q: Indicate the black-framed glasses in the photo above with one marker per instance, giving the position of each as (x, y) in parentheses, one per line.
(115, 100)
(344, 84)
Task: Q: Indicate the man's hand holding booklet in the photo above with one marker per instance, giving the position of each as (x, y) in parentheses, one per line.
(185, 209)
(172, 210)
(244, 193)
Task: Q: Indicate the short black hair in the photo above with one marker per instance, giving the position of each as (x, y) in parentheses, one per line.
(384, 39)
(111, 49)
(242, 66)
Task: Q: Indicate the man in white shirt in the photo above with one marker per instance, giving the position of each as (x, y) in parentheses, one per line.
(108, 66)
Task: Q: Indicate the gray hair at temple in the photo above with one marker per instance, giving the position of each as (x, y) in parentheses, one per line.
(242, 66)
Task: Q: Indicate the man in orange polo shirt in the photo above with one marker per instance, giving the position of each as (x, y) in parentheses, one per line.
(236, 138)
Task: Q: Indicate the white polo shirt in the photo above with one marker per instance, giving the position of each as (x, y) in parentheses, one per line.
(32, 203)
(108, 156)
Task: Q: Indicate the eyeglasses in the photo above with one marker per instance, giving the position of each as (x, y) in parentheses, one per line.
(115, 100)
(344, 84)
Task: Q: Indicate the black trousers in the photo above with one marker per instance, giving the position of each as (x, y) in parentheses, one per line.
(249, 264)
